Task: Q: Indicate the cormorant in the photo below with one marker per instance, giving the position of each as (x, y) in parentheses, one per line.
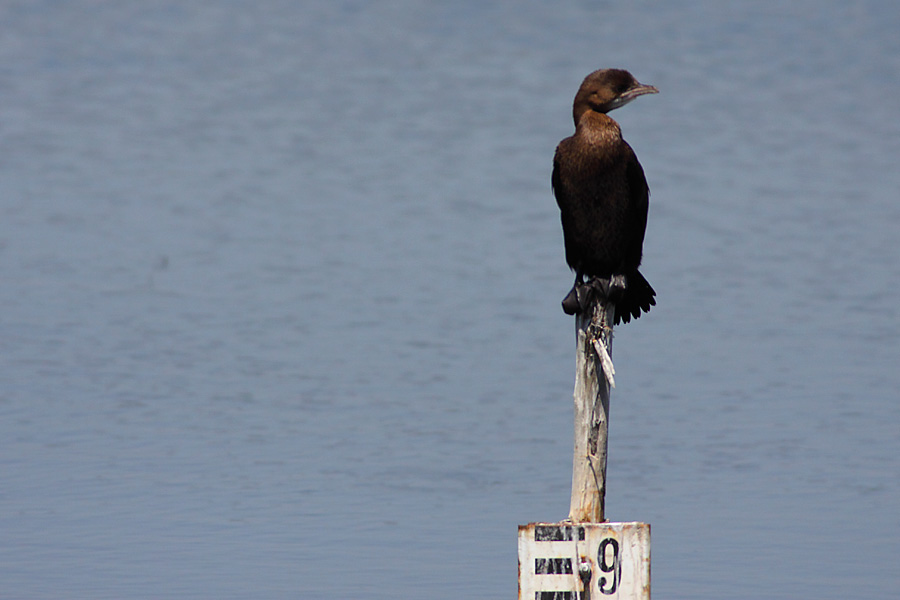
(603, 195)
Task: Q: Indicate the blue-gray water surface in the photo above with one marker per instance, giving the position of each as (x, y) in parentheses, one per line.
(279, 313)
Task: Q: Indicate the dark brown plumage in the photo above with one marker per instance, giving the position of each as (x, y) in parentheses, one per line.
(602, 194)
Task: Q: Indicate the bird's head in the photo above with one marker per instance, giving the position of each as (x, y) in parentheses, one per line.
(606, 90)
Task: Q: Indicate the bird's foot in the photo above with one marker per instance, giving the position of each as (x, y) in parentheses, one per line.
(583, 293)
(571, 304)
(579, 297)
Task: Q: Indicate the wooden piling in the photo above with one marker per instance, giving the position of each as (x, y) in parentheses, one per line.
(594, 376)
(585, 556)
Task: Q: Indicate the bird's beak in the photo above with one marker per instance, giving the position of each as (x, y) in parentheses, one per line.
(638, 90)
(632, 93)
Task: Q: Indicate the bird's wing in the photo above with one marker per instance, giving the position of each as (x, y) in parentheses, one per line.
(640, 197)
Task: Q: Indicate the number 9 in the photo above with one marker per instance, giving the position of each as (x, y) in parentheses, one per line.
(614, 567)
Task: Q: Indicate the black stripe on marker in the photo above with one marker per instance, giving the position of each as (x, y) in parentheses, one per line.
(557, 533)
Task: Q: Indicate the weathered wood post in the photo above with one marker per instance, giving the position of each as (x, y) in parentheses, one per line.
(585, 556)
(594, 376)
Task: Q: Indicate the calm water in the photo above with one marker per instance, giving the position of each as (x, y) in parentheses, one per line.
(279, 314)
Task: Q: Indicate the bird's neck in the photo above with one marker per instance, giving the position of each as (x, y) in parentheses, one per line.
(596, 127)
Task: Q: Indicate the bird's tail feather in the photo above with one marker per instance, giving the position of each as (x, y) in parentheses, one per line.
(638, 297)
